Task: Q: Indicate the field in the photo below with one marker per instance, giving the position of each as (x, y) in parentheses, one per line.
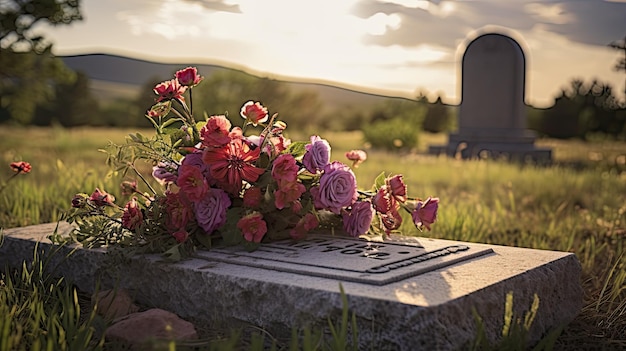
(578, 204)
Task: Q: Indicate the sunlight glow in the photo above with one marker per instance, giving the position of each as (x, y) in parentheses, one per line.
(438, 8)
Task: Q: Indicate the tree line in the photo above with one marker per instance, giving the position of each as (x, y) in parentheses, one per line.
(36, 88)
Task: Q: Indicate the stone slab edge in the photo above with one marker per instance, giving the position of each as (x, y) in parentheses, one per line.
(433, 311)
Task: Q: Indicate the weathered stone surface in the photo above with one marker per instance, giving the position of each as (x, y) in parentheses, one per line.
(151, 325)
(349, 259)
(432, 310)
(114, 303)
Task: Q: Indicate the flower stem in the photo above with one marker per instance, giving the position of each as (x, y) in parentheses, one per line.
(132, 166)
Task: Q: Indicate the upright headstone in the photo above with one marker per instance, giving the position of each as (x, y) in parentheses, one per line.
(492, 118)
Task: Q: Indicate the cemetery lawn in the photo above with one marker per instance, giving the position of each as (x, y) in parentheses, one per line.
(578, 204)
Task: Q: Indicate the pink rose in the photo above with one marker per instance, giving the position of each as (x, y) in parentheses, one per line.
(391, 220)
(188, 77)
(215, 131)
(128, 187)
(252, 197)
(383, 201)
(357, 157)
(304, 225)
(425, 212)
(397, 187)
(191, 181)
(253, 227)
(169, 90)
(317, 154)
(20, 167)
(179, 210)
(357, 220)
(102, 198)
(254, 112)
(337, 188)
(296, 206)
(180, 235)
(211, 210)
(285, 168)
(287, 193)
(195, 159)
(132, 216)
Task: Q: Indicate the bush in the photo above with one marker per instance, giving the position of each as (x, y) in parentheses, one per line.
(391, 134)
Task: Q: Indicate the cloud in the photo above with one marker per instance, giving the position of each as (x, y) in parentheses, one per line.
(591, 22)
(446, 23)
(174, 19)
(217, 5)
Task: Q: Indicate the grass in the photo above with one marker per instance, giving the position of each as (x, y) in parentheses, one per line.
(576, 205)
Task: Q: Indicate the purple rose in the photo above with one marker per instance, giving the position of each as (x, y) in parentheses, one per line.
(317, 154)
(337, 188)
(165, 172)
(357, 221)
(211, 210)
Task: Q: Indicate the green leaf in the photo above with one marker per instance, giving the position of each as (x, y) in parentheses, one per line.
(173, 254)
(379, 181)
(297, 149)
(200, 124)
(204, 239)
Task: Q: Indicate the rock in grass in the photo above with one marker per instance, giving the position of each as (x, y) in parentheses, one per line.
(152, 325)
(113, 304)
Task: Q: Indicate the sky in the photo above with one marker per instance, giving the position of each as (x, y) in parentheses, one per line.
(393, 47)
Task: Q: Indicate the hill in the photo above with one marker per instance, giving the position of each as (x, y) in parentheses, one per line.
(116, 76)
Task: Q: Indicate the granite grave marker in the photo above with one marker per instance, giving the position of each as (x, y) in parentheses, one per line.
(492, 118)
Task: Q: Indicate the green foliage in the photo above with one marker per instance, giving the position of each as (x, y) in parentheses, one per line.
(482, 201)
(28, 81)
(73, 105)
(17, 18)
(395, 125)
(514, 330)
(439, 117)
(226, 91)
(393, 134)
(582, 111)
(40, 312)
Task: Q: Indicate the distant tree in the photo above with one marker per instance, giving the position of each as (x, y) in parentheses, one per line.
(581, 111)
(19, 17)
(438, 116)
(74, 105)
(226, 91)
(28, 70)
(620, 65)
(27, 80)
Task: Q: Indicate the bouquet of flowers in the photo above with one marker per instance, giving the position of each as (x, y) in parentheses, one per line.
(243, 184)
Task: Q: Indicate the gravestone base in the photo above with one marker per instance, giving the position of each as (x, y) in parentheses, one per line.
(429, 308)
(512, 145)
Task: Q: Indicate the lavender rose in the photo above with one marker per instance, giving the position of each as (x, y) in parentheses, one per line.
(317, 154)
(165, 172)
(211, 210)
(357, 221)
(337, 188)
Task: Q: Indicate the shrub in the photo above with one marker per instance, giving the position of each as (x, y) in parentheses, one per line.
(393, 134)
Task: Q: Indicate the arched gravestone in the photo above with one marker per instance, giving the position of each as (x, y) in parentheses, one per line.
(492, 117)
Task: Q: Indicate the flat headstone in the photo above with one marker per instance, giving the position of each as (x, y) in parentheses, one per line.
(433, 309)
(348, 259)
